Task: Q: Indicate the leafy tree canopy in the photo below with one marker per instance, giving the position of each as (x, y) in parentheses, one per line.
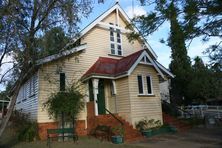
(188, 19)
(198, 18)
(23, 22)
(52, 42)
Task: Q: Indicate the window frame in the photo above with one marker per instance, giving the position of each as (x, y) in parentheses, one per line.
(151, 85)
(61, 87)
(116, 35)
(138, 84)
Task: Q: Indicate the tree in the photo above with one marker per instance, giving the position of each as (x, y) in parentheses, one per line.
(194, 18)
(52, 42)
(201, 82)
(21, 24)
(203, 18)
(180, 64)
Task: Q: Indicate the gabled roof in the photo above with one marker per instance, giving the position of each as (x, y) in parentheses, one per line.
(112, 67)
(116, 68)
(127, 19)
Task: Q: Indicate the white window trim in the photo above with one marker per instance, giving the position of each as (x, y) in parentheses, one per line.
(119, 43)
(142, 85)
(115, 41)
(112, 42)
(151, 85)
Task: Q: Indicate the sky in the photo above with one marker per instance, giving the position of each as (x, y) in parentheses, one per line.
(163, 52)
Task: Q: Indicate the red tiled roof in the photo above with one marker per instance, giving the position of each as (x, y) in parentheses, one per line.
(113, 67)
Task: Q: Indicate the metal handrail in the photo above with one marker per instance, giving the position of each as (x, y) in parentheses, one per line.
(114, 117)
(179, 109)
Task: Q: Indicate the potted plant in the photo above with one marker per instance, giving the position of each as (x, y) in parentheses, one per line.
(143, 126)
(118, 135)
(150, 127)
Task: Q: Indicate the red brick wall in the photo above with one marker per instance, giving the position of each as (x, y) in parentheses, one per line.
(42, 128)
(91, 120)
(80, 128)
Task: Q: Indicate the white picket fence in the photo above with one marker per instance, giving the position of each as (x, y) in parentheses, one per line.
(201, 111)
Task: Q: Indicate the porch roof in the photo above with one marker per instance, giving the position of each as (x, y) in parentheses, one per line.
(112, 67)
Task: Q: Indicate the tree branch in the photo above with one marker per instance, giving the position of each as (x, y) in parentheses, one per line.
(50, 7)
(5, 50)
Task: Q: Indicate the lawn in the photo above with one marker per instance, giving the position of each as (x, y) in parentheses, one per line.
(194, 138)
(9, 140)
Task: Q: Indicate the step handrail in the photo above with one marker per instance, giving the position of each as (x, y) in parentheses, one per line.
(171, 105)
(114, 117)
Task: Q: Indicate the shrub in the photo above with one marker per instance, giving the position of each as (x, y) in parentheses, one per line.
(145, 124)
(25, 129)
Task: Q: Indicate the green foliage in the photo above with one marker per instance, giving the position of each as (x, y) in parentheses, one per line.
(118, 130)
(180, 64)
(52, 42)
(194, 83)
(23, 23)
(204, 83)
(69, 102)
(203, 18)
(145, 124)
(26, 130)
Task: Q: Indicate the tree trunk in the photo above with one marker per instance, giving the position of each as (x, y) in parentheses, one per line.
(11, 107)
(15, 92)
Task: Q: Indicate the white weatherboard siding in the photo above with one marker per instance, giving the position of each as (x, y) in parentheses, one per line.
(144, 106)
(122, 98)
(49, 82)
(27, 100)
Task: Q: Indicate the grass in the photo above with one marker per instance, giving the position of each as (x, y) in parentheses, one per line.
(9, 140)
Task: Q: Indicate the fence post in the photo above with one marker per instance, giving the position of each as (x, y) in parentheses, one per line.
(182, 113)
(218, 112)
(201, 111)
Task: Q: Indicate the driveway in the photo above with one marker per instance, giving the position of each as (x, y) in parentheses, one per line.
(195, 138)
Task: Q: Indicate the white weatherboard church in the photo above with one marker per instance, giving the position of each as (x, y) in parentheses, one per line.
(118, 75)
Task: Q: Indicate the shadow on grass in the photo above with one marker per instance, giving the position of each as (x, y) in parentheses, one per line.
(8, 139)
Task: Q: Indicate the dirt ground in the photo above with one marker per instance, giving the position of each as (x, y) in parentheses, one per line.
(199, 137)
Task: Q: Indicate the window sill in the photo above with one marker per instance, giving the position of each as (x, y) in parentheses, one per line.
(115, 55)
(146, 95)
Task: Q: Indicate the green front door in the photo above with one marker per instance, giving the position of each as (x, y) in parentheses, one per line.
(101, 98)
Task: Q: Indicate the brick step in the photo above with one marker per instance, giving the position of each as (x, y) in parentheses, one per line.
(131, 134)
